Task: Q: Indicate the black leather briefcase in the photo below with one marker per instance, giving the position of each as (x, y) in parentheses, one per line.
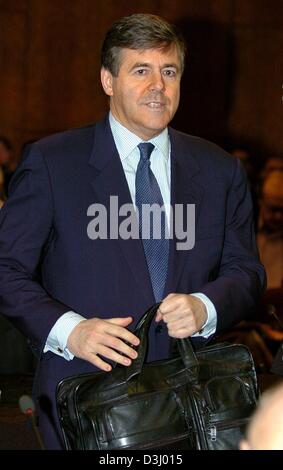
(196, 401)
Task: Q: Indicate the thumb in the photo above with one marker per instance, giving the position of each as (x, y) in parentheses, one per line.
(158, 316)
(120, 321)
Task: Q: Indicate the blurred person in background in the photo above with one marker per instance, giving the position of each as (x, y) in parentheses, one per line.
(264, 332)
(6, 162)
(272, 164)
(245, 157)
(247, 161)
(270, 234)
(2, 191)
(270, 244)
(265, 431)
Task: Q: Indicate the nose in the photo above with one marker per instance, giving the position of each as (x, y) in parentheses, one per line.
(157, 82)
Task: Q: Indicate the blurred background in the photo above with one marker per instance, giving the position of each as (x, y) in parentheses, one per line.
(232, 88)
(232, 94)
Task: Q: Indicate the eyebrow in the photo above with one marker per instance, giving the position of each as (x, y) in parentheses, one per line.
(146, 64)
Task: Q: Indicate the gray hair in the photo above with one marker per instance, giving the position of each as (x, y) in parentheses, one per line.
(139, 32)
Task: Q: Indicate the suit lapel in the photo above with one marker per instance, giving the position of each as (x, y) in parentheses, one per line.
(184, 190)
(109, 180)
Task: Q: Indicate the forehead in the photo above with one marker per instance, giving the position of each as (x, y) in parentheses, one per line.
(155, 57)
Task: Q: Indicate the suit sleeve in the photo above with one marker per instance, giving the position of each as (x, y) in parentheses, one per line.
(26, 221)
(241, 277)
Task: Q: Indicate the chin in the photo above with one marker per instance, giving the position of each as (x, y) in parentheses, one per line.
(156, 125)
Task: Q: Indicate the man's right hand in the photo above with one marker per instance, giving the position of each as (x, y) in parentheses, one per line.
(104, 337)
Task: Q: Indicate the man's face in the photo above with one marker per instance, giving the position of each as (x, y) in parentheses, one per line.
(145, 95)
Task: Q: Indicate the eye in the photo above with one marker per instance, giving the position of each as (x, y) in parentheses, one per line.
(141, 71)
(170, 73)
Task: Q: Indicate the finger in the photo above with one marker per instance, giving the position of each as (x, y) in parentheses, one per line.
(176, 315)
(158, 316)
(180, 323)
(169, 296)
(170, 305)
(113, 355)
(121, 321)
(97, 362)
(181, 333)
(120, 346)
(122, 333)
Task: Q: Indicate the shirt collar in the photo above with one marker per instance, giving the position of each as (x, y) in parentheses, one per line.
(126, 141)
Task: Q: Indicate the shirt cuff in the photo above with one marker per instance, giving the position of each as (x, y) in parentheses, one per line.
(58, 336)
(209, 327)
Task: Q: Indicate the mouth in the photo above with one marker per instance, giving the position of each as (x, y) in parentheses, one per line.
(155, 105)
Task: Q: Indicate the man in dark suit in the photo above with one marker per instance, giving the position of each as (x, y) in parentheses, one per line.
(77, 295)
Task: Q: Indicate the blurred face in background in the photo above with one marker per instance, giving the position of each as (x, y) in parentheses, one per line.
(272, 214)
(272, 164)
(272, 202)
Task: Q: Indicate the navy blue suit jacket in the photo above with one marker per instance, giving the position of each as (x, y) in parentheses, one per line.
(49, 265)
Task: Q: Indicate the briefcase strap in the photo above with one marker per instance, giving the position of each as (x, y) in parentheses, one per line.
(184, 345)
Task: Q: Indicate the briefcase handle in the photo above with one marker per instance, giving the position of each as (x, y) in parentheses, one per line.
(184, 345)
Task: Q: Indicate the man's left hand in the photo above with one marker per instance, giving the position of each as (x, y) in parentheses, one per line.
(183, 314)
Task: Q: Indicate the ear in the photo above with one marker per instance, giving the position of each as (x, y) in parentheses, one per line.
(107, 81)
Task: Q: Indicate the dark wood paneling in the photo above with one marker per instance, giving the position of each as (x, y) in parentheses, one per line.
(13, 44)
(257, 108)
(50, 61)
(258, 13)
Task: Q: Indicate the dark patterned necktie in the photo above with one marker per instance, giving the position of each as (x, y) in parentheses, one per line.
(156, 249)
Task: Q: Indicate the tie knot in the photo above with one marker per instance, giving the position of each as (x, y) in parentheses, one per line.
(145, 149)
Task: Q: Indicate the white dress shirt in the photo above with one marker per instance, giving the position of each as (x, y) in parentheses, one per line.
(160, 164)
